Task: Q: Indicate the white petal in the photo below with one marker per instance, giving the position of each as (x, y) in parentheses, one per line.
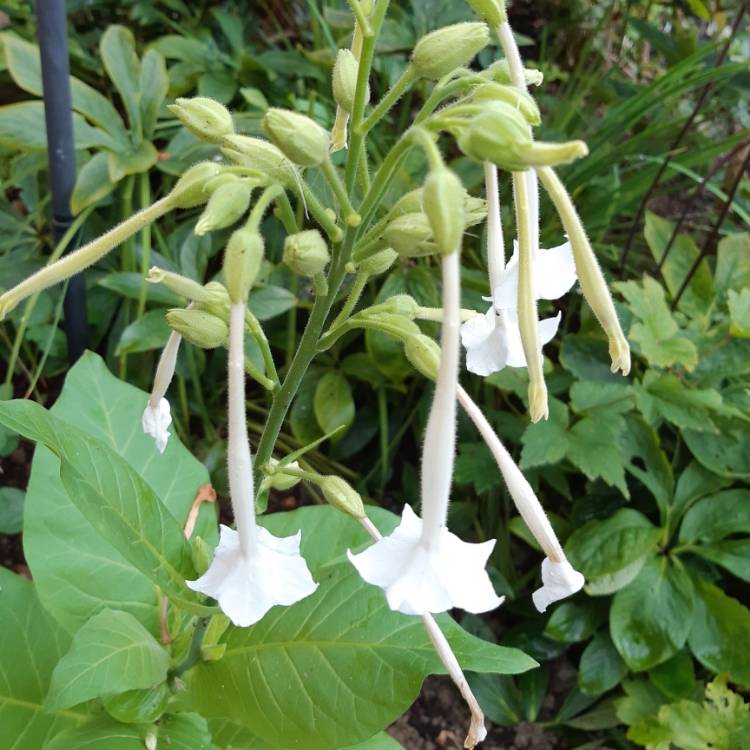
(554, 272)
(559, 580)
(484, 341)
(246, 587)
(505, 294)
(417, 580)
(155, 421)
(512, 335)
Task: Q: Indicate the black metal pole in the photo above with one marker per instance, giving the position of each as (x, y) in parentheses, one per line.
(58, 114)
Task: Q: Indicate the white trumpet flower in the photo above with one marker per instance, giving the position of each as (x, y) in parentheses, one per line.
(493, 340)
(421, 566)
(156, 416)
(252, 570)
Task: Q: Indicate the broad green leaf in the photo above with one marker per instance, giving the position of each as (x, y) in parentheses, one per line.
(601, 668)
(499, 698)
(111, 653)
(546, 442)
(117, 50)
(476, 466)
(676, 676)
(93, 183)
(698, 295)
(220, 85)
(603, 549)
(739, 313)
(269, 301)
(113, 497)
(11, 510)
(302, 419)
(153, 86)
(141, 705)
(148, 332)
(298, 676)
(587, 358)
(642, 701)
(176, 732)
(732, 554)
(720, 633)
(659, 337)
(694, 483)
(574, 621)
(640, 441)
(593, 448)
(716, 517)
(187, 49)
(664, 396)
(651, 617)
(24, 65)
(359, 365)
(22, 128)
(133, 160)
(733, 263)
(727, 452)
(601, 398)
(722, 722)
(333, 404)
(30, 645)
(61, 545)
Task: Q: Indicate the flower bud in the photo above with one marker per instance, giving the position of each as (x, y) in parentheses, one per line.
(500, 73)
(409, 203)
(301, 139)
(262, 156)
(512, 95)
(306, 253)
(399, 304)
(501, 135)
(204, 117)
(475, 210)
(424, 354)
(218, 305)
(444, 206)
(198, 327)
(342, 496)
(280, 481)
(182, 285)
(493, 11)
(242, 260)
(446, 49)
(345, 73)
(188, 190)
(226, 206)
(410, 235)
(378, 263)
(395, 324)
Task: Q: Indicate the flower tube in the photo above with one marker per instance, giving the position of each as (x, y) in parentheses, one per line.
(157, 416)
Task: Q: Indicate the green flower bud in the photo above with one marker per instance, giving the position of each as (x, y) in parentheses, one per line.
(498, 92)
(395, 324)
(378, 263)
(301, 139)
(306, 253)
(501, 135)
(493, 11)
(446, 49)
(204, 117)
(225, 207)
(411, 235)
(183, 286)
(342, 496)
(424, 354)
(444, 206)
(475, 210)
(198, 327)
(242, 260)
(345, 73)
(409, 203)
(188, 191)
(499, 72)
(262, 156)
(218, 305)
(399, 304)
(279, 480)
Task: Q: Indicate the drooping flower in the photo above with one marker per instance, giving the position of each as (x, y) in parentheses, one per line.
(493, 341)
(421, 566)
(252, 570)
(157, 416)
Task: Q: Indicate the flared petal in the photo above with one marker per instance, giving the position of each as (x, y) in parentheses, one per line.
(246, 587)
(155, 421)
(484, 341)
(553, 271)
(512, 335)
(559, 580)
(416, 579)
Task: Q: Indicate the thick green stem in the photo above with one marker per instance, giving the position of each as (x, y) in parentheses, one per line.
(351, 217)
(354, 294)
